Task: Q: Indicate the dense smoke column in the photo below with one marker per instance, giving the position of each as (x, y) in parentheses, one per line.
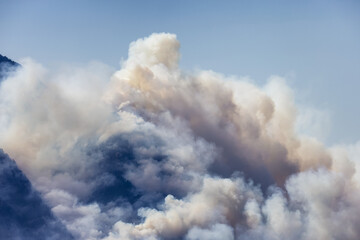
(153, 152)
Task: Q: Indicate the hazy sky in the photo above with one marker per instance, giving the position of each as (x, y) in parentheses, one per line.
(314, 44)
(153, 149)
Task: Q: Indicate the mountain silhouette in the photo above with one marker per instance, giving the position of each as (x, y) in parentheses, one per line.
(7, 66)
(23, 213)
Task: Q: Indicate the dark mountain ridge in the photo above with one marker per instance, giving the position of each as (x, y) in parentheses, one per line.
(23, 213)
(7, 66)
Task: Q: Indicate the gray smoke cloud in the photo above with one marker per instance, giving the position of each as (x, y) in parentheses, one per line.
(154, 152)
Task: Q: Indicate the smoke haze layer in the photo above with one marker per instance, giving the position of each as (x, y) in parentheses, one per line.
(154, 152)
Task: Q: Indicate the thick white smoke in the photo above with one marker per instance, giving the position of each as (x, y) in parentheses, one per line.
(153, 152)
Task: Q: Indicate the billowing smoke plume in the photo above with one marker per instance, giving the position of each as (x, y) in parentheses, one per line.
(153, 152)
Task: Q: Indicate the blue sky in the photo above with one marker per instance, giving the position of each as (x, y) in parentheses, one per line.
(314, 44)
